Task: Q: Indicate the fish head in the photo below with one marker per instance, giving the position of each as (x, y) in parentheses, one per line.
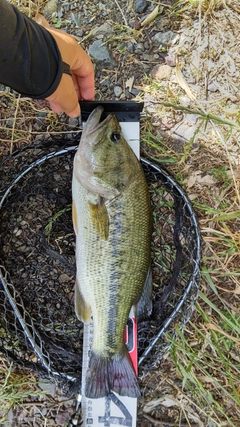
(104, 163)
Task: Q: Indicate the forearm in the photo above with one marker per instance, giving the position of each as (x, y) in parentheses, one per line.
(30, 61)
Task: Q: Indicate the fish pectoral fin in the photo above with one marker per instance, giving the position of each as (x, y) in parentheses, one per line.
(100, 218)
(82, 309)
(144, 305)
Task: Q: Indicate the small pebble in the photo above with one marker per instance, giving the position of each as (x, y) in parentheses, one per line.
(212, 87)
(139, 48)
(140, 6)
(135, 91)
(118, 91)
(130, 47)
(163, 38)
(185, 101)
(161, 72)
(73, 121)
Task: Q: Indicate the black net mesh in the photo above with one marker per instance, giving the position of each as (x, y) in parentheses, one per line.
(38, 326)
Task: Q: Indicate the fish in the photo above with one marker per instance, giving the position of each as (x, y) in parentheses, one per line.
(112, 221)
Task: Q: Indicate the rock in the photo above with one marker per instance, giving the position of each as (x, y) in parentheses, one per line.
(167, 37)
(118, 91)
(147, 57)
(50, 9)
(10, 123)
(104, 30)
(184, 100)
(130, 47)
(100, 53)
(73, 122)
(191, 119)
(102, 6)
(62, 418)
(64, 278)
(161, 72)
(140, 6)
(212, 87)
(135, 91)
(49, 387)
(170, 58)
(185, 130)
(139, 48)
(79, 32)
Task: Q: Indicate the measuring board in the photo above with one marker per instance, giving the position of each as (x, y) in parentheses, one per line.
(113, 409)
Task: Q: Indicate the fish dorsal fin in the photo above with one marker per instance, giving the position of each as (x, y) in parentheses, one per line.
(100, 218)
(82, 309)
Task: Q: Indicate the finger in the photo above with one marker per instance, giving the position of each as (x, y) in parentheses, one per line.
(86, 85)
(83, 71)
(58, 109)
(65, 98)
(75, 112)
(76, 85)
(55, 107)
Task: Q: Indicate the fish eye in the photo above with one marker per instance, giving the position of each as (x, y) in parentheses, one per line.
(115, 136)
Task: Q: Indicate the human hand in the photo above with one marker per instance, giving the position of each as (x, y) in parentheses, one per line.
(78, 86)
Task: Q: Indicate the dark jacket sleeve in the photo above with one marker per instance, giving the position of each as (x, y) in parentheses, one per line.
(30, 61)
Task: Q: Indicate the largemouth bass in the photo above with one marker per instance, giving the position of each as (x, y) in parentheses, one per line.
(112, 222)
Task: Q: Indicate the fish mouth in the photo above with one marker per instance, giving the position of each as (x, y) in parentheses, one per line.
(93, 124)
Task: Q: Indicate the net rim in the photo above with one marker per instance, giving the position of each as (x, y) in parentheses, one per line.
(194, 278)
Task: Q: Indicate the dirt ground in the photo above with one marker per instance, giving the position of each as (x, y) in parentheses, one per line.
(184, 64)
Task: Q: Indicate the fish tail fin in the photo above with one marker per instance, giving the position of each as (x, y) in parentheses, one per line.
(106, 374)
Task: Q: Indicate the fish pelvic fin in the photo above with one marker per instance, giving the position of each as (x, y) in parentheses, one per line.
(82, 309)
(100, 218)
(112, 373)
(74, 217)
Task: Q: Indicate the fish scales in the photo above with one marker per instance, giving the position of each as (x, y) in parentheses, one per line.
(113, 229)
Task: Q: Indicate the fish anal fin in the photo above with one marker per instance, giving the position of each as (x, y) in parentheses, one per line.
(100, 218)
(144, 305)
(82, 309)
(111, 373)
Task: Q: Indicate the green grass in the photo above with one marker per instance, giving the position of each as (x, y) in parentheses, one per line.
(204, 6)
(205, 355)
(16, 387)
(208, 362)
(49, 226)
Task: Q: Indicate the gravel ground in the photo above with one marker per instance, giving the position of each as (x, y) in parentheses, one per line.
(124, 53)
(134, 60)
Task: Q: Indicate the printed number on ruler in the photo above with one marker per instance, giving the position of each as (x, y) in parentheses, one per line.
(107, 419)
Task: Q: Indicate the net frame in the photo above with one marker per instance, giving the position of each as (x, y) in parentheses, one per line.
(181, 306)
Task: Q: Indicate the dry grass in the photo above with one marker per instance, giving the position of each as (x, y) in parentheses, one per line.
(206, 355)
(204, 389)
(15, 388)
